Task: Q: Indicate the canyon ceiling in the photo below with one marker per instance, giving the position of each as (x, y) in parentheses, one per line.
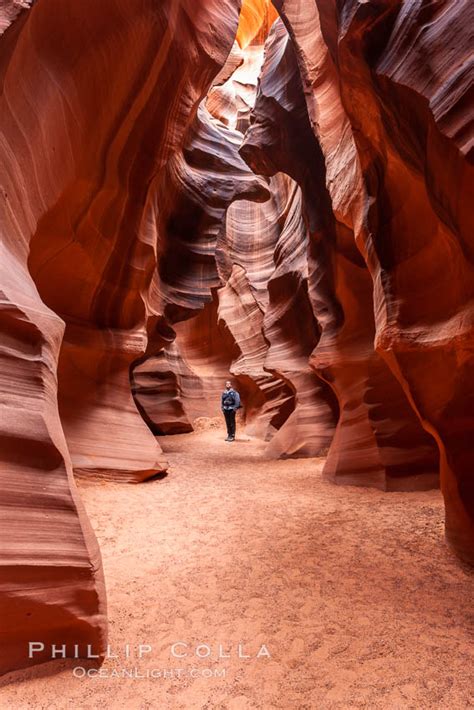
(287, 198)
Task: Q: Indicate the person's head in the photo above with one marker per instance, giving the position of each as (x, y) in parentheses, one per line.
(228, 385)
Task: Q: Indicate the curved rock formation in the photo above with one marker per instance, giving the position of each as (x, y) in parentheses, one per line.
(269, 243)
(137, 246)
(422, 137)
(268, 399)
(374, 103)
(204, 179)
(256, 18)
(9, 11)
(379, 440)
(260, 251)
(86, 140)
(105, 223)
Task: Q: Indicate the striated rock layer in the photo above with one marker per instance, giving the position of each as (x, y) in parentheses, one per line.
(204, 179)
(387, 87)
(267, 245)
(9, 11)
(86, 143)
(256, 273)
(330, 272)
(378, 440)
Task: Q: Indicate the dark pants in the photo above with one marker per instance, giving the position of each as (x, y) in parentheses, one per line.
(229, 415)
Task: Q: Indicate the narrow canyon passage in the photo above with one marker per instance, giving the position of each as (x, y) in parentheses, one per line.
(354, 592)
(278, 193)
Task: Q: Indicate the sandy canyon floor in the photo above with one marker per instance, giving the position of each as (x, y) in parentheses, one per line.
(352, 591)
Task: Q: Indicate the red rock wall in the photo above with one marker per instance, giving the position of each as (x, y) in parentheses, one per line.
(87, 138)
(269, 243)
(387, 86)
(378, 440)
(203, 180)
(133, 234)
(255, 254)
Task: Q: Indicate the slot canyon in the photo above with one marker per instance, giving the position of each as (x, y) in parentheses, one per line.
(277, 193)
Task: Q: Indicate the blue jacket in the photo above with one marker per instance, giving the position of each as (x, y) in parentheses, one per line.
(230, 400)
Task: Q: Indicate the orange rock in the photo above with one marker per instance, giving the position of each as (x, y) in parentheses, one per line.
(256, 18)
(260, 252)
(94, 105)
(375, 104)
(378, 440)
(134, 237)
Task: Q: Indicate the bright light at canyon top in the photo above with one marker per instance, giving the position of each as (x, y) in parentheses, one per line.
(256, 18)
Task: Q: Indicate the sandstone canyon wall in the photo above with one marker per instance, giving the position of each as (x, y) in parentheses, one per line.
(389, 93)
(96, 102)
(257, 323)
(287, 201)
(379, 439)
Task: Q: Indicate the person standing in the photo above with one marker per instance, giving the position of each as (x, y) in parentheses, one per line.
(230, 403)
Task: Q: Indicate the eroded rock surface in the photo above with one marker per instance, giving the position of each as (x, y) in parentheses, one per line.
(86, 140)
(327, 266)
(260, 327)
(379, 439)
(387, 87)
